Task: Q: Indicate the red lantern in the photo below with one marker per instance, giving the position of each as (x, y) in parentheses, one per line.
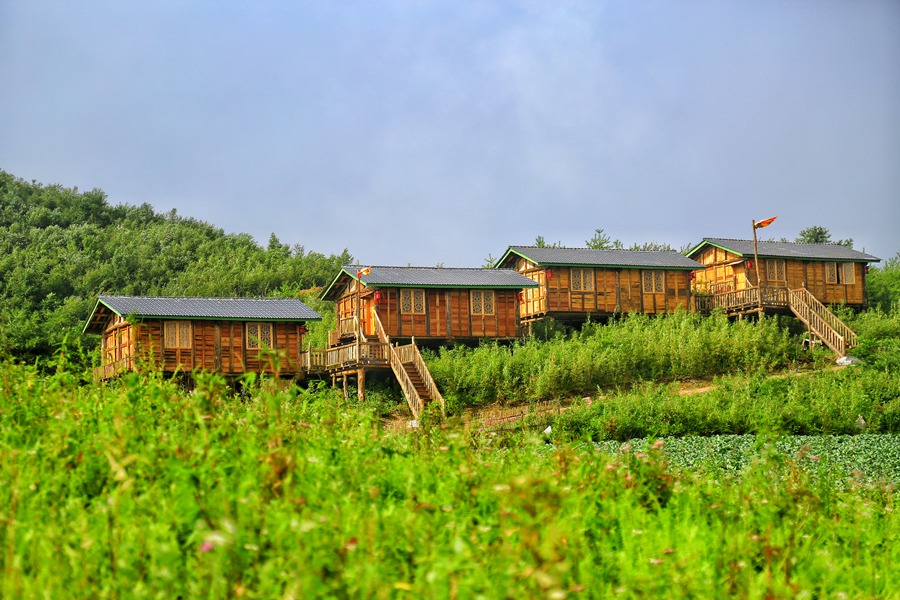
(693, 276)
(549, 274)
(378, 296)
(749, 264)
(303, 330)
(520, 297)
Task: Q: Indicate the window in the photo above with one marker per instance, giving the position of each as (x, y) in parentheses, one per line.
(260, 335)
(582, 280)
(412, 302)
(654, 281)
(482, 302)
(775, 270)
(177, 334)
(840, 273)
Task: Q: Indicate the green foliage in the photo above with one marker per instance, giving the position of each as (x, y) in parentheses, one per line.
(827, 403)
(635, 349)
(136, 489)
(883, 285)
(60, 248)
(820, 235)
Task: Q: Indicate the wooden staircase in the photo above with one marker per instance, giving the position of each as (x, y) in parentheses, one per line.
(822, 323)
(412, 373)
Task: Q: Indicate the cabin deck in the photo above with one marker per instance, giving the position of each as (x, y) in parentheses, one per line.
(743, 301)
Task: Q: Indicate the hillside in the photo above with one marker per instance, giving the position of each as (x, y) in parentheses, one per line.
(61, 247)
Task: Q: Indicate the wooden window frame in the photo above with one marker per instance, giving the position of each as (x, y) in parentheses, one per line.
(584, 279)
(256, 341)
(649, 280)
(408, 304)
(176, 333)
(774, 268)
(836, 273)
(478, 303)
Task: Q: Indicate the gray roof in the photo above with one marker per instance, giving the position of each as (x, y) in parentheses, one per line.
(240, 309)
(440, 277)
(796, 250)
(649, 259)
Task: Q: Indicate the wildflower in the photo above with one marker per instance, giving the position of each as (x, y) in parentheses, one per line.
(207, 546)
(815, 458)
(658, 444)
(656, 561)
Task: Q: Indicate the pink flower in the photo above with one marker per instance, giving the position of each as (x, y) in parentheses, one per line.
(207, 546)
(814, 457)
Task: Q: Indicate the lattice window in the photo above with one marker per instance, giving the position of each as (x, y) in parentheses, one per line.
(177, 334)
(582, 280)
(482, 302)
(849, 273)
(775, 270)
(654, 282)
(831, 272)
(412, 302)
(260, 335)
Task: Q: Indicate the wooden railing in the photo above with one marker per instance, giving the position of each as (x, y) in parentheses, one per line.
(413, 399)
(833, 332)
(111, 369)
(405, 355)
(357, 353)
(744, 299)
(314, 361)
(412, 351)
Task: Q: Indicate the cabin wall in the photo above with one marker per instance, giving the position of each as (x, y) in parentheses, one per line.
(215, 346)
(614, 291)
(724, 267)
(448, 314)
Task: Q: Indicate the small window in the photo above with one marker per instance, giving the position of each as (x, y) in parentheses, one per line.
(412, 302)
(482, 302)
(582, 280)
(177, 334)
(775, 270)
(654, 282)
(840, 273)
(260, 335)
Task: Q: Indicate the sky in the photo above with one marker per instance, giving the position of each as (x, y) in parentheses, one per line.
(417, 132)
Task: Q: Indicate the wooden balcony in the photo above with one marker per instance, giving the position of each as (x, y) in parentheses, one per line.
(743, 301)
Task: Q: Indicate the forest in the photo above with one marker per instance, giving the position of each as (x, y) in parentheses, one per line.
(61, 247)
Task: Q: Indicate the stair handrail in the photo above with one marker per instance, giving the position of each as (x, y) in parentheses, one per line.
(357, 326)
(829, 317)
(427, 379)
(817, 325)
(409, 390)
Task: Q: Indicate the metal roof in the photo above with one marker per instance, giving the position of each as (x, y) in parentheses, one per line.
(227, 309)
(435, 277)
(835, 252)
(648, 259)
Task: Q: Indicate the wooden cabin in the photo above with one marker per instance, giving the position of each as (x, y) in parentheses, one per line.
(831, 273)
(232, 336)
(430, 304)
(574, 284)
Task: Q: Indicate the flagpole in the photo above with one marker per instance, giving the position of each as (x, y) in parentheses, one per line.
(756, 264)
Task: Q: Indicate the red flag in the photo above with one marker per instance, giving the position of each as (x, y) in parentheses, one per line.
(764, 223)
(365, 271)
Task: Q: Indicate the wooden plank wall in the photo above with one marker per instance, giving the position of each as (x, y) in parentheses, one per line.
(448, 315)
(219, 346)
(615, 291)
(799, 274)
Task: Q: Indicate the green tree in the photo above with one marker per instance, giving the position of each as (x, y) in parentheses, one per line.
(820, 235)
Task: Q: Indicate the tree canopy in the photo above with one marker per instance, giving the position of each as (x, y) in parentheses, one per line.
(60, 248)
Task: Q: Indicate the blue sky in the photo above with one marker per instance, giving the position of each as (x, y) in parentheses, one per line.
(416, 132)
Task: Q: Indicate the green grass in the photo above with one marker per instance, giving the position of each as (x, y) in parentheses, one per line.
(635, 349)
(136, 489)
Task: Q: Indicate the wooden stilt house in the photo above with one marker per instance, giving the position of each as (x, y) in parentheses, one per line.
(384, 312)
(574, 284)
(789, 278)
(232, 336)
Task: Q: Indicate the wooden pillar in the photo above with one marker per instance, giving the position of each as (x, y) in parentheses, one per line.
(361, 384)
(346, 391)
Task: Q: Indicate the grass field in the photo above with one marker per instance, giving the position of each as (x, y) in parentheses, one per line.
(137, 489)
